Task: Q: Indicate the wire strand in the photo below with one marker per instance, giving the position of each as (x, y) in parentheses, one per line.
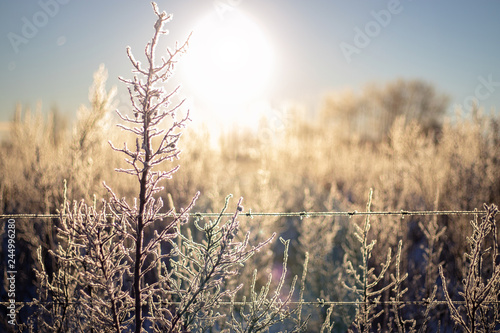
(303, 214)
(312, 303)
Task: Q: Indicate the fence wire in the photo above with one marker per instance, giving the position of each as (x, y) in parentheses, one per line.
(301, 215)
(294, 303)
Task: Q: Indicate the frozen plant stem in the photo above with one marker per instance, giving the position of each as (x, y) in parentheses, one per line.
(149, 104)
(481, 288)
(365, 280)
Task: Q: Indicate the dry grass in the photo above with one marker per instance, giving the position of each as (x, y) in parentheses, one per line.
(412, 163)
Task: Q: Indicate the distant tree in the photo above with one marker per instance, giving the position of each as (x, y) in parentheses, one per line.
(412, 99)
(372, 112)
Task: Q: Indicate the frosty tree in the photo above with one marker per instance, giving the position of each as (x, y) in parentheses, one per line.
(125, 266)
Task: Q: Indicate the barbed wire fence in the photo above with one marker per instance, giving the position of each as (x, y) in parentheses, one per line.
(302, 215)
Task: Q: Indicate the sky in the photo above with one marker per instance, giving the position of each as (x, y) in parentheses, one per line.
(49, 50)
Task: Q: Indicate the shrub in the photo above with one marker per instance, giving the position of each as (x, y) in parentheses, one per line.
(126, 266)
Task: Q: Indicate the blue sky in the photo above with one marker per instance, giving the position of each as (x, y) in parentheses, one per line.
(452, 44)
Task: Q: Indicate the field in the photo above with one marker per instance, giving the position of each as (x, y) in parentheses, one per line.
(361, 216)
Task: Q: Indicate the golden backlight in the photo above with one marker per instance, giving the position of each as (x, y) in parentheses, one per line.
(229, 63)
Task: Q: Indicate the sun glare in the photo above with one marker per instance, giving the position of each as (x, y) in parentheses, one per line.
(229, 62)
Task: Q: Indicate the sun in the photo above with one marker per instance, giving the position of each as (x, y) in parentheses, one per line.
(229, 62)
